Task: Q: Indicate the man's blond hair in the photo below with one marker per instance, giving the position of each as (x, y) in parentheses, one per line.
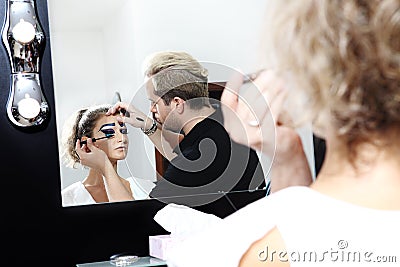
(178, 74)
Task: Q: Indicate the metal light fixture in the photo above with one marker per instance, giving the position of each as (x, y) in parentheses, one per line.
(24, 40)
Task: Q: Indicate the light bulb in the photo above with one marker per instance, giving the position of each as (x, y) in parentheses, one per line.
(24, 32)
(25, 41)
(28, 107)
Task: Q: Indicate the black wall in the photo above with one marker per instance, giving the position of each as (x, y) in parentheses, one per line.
(36, 229)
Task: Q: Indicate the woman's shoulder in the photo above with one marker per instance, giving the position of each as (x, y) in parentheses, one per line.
(72, 187)
(140, 188)
(228, 239)
(234, 234)
(140, 182)
(76, 194)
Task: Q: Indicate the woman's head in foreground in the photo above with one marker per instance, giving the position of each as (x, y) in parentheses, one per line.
(345, 56)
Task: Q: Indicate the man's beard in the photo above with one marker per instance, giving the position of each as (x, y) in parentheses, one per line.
(172, 123)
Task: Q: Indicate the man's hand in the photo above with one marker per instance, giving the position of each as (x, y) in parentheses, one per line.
(131, 115)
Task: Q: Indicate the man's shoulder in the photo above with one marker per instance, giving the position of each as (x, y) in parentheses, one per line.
(213, 124)
(216, 131)
(207, 129)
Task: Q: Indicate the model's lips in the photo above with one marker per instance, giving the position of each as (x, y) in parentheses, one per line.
(121, 148)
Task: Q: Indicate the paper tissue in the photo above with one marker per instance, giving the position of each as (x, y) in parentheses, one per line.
(181, 222)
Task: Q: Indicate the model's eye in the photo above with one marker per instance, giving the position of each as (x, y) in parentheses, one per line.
(108, 132)
(124, 131)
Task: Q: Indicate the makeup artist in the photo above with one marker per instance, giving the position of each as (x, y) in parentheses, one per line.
(204, 159)
(98, 142)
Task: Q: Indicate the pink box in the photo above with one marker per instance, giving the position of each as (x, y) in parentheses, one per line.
(159, 244)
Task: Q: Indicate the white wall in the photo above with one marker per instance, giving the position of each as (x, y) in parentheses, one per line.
(89, 65)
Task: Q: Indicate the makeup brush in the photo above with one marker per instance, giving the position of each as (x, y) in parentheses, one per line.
(84, 142)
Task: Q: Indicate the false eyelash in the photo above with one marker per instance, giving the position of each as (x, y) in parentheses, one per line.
(108, 131)
(112, 132)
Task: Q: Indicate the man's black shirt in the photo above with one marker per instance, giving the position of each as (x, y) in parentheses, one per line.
(209, 161)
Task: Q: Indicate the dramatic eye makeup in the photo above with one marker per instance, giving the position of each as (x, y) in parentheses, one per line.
(108, 132)
(107, 129)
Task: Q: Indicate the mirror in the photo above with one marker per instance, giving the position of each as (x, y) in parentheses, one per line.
(98, 47)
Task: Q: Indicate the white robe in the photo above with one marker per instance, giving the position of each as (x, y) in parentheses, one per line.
(76, 193)
(317, 230)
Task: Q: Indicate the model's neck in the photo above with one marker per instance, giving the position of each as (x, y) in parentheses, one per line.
(95, 177)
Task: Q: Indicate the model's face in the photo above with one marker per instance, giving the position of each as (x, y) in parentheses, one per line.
(116, 147)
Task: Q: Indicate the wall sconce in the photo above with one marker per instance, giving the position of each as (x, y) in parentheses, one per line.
(24, 40)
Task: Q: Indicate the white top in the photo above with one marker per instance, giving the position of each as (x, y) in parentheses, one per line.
(317, 230)
(77, 194)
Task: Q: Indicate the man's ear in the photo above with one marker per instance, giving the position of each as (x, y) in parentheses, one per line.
(179, 104)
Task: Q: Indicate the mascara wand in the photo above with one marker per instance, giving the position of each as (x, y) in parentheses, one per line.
(84, 142)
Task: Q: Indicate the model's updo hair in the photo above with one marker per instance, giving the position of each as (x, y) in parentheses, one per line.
(345, 56)
(78, 125)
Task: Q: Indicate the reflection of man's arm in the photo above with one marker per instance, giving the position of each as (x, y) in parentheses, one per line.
(164, 140)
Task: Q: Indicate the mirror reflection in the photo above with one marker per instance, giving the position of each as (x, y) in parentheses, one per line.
(100, 50)
(98, 142)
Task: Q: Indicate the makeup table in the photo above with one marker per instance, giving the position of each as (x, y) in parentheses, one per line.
(141, 262)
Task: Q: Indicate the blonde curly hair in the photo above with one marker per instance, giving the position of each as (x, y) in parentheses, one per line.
(345, 55)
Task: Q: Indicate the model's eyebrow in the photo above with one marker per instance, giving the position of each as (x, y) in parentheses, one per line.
(107, 124)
